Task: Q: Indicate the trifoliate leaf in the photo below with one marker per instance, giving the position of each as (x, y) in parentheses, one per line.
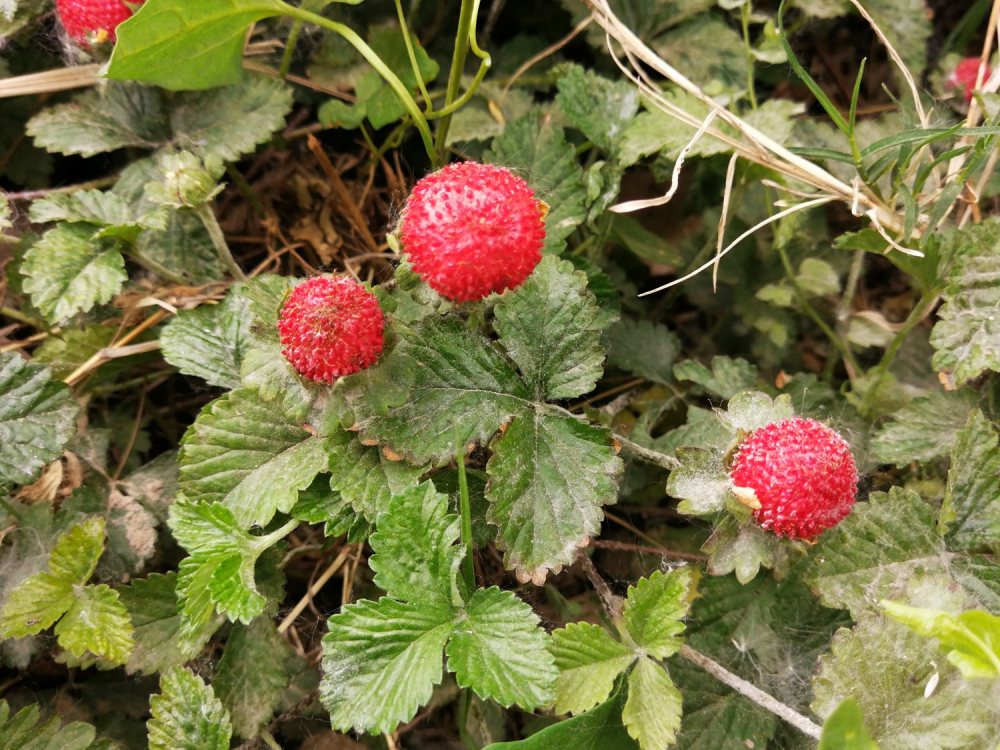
(971, 509)
(252, 675)
(248, 455)
(873, 551)
(973, 637)
(119, 115)
(96, 623)
(538, 152)
(68, 271)
(153, 606)
(844, 729)
(598, 107)
(415, 557)
(589, 662)
(725, 379)
(701, 482)
(223, 558)
(365, 477)
(643, 348)
(891, 672)
(550, 328)
(37, 419)
(381, 660)
(967, 334)
(924, 429)
(549, 477)
(26, 730)
(652, 712)
(460, 390)
(654, 609)
(209, 341)
(499, 650)
(40, 600)
(186, 715)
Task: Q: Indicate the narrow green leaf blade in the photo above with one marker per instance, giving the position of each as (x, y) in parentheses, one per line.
(181, 45)
(550, 328)
(589, 662)
(549, 478)
(186, 715)
(499, 650)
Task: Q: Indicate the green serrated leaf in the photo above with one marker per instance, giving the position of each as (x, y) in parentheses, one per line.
(598, 107)
(549, 477)
(381, 660)
(104, 208)
(266, 371)
(971, 509)
(726, 378)
(247, 454)
(701, 482)
(319, 504)
(550, 328)
(186, 715)
(589, 662)
(37, 419)
(26, 730)
(252, 675)
(873, 551)
(973, 637)
(153, 606)
(652, 713)
(415, 557)
(460, 390)
(967, 334)
(365, 477)
(643, 348)
(539, 152)
(749, 410)
(498, 649)
(68, 271)
(844, 729)
(654, 609)
(177, 45)
(925, 429)
(743, 548)
(209, 341)
(96, 623)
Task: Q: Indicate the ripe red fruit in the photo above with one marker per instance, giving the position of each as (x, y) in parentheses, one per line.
(472, 229)
(89, 21)
(331, 326)
(802, 475)
(965, 74)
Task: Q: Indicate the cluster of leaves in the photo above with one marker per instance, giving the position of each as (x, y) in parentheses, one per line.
(167, 568)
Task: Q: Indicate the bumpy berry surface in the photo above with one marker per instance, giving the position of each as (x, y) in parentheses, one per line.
(83, 19)
(472, 229)
(965, 74)
(803, 474)
(331, 326)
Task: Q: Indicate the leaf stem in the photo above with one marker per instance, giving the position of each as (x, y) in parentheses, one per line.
(647, 455)
(268, 739)
(293, 40)
(20, 317)
(465, 508)
(263, 542)
(405, 30)
(359, 44)
(746, 689)
(207, 216)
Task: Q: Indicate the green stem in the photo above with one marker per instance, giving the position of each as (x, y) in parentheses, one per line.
(246, 190)
(269, 540)
(351, 37)
(20, 317)
(465, 508)
(293, 40)
(405, 29)
(268, 739)
(207, 216)
(12, 510)
(158, 268)
(461, 52)
(745, 23)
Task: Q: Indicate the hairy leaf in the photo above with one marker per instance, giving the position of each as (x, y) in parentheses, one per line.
(643, 348)
(186, 715)
(26, 730)
(924, 429)
(726, 378)
(252, 675)
(652, 711)
(96, 623)
(654, 610)
(589, 662)
(598, 107)
(971, 509)
(364, 476)
(209, 341)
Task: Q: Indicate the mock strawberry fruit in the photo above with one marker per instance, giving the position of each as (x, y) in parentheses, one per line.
(90, 21)
(798, 475)
(472, 229)
(965, 74)
(331, 326)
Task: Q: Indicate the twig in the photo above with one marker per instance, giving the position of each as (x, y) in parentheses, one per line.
(550, 50)
(318, 584)
(647, 549)
(612, 604)
(746, 689)
(647, 455)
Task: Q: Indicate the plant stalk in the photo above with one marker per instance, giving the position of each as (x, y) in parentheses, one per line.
(465, 509)
(207, 216)
(458, 58)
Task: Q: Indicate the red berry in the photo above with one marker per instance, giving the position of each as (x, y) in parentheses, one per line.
(331, 326)
(802, 474)
(472, 229)
(965, 74)
(86, 21)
